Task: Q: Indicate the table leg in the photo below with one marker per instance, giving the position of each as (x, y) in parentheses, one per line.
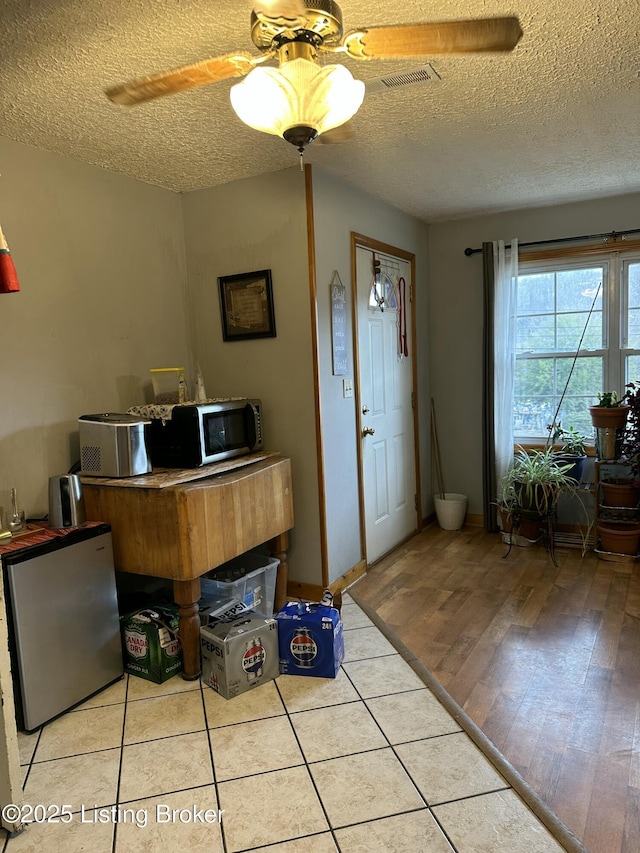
(186, 594)
(278, 547)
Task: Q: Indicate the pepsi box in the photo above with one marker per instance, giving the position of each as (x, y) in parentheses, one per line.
(310, 639)
(239, 654)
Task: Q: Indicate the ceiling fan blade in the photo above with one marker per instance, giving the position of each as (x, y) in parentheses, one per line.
(179, 79)
(342, 133)
(468, 36)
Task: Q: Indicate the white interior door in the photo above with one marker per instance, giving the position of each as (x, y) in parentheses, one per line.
(385, 396)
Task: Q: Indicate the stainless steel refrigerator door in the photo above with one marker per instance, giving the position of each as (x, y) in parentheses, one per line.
(66, 626)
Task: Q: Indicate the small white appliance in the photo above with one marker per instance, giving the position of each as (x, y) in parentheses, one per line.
(113, 445)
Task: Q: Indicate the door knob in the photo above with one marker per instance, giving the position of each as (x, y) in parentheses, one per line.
(365, 409)
(368, 431)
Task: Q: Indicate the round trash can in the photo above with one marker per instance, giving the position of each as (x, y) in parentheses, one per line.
(450, 510)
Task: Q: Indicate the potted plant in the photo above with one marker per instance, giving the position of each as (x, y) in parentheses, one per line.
(609, 419)
(624, 491)
(619, 492)
(619, 537)
(517, 528)
(610, 410)
(570, 447)
(631, 440)
(533, 485)
(619, 528)
(535, 480)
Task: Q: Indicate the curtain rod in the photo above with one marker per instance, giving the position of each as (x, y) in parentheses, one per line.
(613, 236)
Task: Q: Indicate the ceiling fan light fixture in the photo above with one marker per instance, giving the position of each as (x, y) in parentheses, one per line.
(299, 99)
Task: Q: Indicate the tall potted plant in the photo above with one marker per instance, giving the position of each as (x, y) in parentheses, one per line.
(631, 440)
(619, 530)
(624, 491)
(536, 479)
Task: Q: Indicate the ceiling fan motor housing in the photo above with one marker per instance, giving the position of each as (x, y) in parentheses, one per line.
(323, 20)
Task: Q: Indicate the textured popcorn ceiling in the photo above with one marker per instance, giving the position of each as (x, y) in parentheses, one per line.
(556, 120)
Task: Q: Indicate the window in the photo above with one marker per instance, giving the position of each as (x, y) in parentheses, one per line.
(384, 293)
(384, 284)
(590, 306)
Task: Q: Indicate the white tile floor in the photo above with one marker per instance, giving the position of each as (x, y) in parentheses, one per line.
(370, 761)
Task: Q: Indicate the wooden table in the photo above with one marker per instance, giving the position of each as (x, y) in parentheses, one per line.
(179, 524)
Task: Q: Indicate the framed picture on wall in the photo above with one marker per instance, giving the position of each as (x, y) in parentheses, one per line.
(246, 306)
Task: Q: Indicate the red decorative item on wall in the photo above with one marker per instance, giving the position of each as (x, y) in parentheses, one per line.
(8, 276)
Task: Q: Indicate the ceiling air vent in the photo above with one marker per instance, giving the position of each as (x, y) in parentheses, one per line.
(423, 74)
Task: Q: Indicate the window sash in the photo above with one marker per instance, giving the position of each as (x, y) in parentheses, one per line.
(620, 362)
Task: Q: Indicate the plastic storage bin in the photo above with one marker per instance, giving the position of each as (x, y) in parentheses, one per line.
(250, 578)
(168, 385)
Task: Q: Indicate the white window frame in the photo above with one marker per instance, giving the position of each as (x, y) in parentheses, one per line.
(615, 351)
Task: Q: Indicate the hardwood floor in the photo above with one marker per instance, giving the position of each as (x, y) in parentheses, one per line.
(544, 659)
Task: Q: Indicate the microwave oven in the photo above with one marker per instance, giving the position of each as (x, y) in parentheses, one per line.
(200, 433)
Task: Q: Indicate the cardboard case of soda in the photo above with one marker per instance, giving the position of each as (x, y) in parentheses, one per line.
(214, 610)
(151, 648)
(239, 655)
(310, 639)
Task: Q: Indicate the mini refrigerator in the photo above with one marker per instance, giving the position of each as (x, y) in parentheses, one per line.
(64, 627)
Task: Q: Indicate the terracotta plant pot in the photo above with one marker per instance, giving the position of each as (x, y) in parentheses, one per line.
(621, 492)
(620, 538)
(525, 528)
(614, 417)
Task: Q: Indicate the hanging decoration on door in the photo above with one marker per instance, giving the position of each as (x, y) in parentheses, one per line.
(377, 281)
(8, 276)
(338, 324)
(384, 287)
(389, 290)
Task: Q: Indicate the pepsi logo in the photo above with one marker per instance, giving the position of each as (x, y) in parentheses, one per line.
(253, 658)
(303, 648)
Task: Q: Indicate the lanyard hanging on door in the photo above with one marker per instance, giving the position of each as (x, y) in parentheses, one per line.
(403, 346)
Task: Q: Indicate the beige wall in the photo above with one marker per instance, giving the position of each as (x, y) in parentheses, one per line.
(339, 209)
(261, 224)
(455, 327)
(100, 259)
(252, 225)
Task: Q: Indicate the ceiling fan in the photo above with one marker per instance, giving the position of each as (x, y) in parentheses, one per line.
(300, 98)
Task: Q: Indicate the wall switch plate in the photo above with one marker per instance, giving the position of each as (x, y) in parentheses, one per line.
(347, 388)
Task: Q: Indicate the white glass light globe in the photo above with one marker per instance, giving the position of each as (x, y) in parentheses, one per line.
(299, 93)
